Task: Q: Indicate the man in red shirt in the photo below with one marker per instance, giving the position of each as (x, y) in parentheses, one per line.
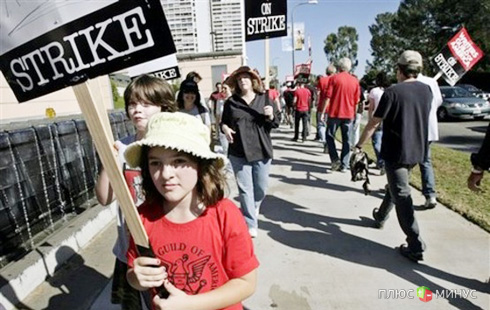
(214, 97)
(322, 98)
(274, 96)
(302, 101)
(343, 94)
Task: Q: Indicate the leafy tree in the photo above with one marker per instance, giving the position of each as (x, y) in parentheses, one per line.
(385, 45)
(342, 44)
(116, 98)
(427, 26)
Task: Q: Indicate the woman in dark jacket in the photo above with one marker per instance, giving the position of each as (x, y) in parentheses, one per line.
(248, 117)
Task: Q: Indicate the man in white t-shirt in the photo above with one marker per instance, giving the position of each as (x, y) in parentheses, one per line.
(426, 170)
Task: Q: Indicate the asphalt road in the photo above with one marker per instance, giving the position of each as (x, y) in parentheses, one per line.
(463, 135)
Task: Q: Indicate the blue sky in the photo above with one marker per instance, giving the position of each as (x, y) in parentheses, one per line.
(320, 20)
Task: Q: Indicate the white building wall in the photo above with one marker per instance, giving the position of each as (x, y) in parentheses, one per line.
(181, 18)
(226, 16)
(203, 26)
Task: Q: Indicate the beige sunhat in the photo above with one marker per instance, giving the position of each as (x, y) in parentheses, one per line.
(177, 131)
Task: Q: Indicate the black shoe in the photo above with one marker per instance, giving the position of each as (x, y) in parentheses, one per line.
(413, 256)
(378, 223)
(294, 139)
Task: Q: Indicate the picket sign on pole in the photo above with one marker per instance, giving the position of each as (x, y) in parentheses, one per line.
(96, 89)
(438, 75)
(97, 122)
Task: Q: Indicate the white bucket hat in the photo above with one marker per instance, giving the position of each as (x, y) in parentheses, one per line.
(178, 131)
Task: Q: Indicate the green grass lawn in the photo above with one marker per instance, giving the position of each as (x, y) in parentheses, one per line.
(451, 169)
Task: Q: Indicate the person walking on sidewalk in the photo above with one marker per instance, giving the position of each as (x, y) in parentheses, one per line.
(275, 97)
(426, 169)
(374, 97)
(289, 101)
(144, 97)
(214, 97)
(404, 110)
(343, 94)
(480, 162)
(356, 122)
(222, 137)
(204, 254)
(322, 99)
(248, 118)
(189, 101)
(302, 102)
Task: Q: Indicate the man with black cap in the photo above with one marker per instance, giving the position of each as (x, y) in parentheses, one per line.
(404, 110)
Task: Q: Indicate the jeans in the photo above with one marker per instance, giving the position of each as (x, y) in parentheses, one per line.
(224, 144)
(252, 180)
(303, 116)
(345, 126)
(399, 196)
(356, 128)
(427, 174)
(320, 127)
(376, 140)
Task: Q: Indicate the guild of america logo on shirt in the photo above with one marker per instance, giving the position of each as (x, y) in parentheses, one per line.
(192, 271)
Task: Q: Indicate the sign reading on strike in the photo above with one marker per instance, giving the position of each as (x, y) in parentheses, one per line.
(265, 19)
(457, 57)
(111, 38)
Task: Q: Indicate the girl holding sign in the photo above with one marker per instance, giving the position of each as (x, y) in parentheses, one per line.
(204, 254)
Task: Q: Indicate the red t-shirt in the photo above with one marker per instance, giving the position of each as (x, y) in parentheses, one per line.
(273, 94)
(322, 87)
(302, 96)
(203, 254)
(344, 93)
(215, 96)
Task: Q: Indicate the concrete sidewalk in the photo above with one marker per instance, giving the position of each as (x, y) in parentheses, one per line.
(318, 248)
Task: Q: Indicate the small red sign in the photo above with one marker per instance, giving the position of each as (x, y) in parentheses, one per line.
(464, 49)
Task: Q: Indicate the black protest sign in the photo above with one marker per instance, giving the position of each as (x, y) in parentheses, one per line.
(165, 68)
(457, 57)
(167, 73)
(117, 36)
(265, 19)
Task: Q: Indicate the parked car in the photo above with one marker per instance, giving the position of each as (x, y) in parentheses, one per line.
(475, 91)
(460, 103)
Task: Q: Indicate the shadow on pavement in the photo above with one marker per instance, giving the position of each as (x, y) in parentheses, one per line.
(9, 294)
(75, 281)
(482, 129)
(329, 239)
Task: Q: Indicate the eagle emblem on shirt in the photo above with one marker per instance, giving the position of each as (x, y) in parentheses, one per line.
(186, 275)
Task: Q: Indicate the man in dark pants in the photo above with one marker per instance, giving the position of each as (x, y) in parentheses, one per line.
(404, 110)
(302, 103)
(480, 162)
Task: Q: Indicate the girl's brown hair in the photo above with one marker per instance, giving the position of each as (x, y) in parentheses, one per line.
(210, 184)
(151, 89)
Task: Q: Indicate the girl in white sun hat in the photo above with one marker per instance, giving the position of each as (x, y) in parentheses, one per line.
(204, 253)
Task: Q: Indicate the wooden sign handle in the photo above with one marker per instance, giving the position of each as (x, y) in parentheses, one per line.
(438, 75)
(99, 128)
